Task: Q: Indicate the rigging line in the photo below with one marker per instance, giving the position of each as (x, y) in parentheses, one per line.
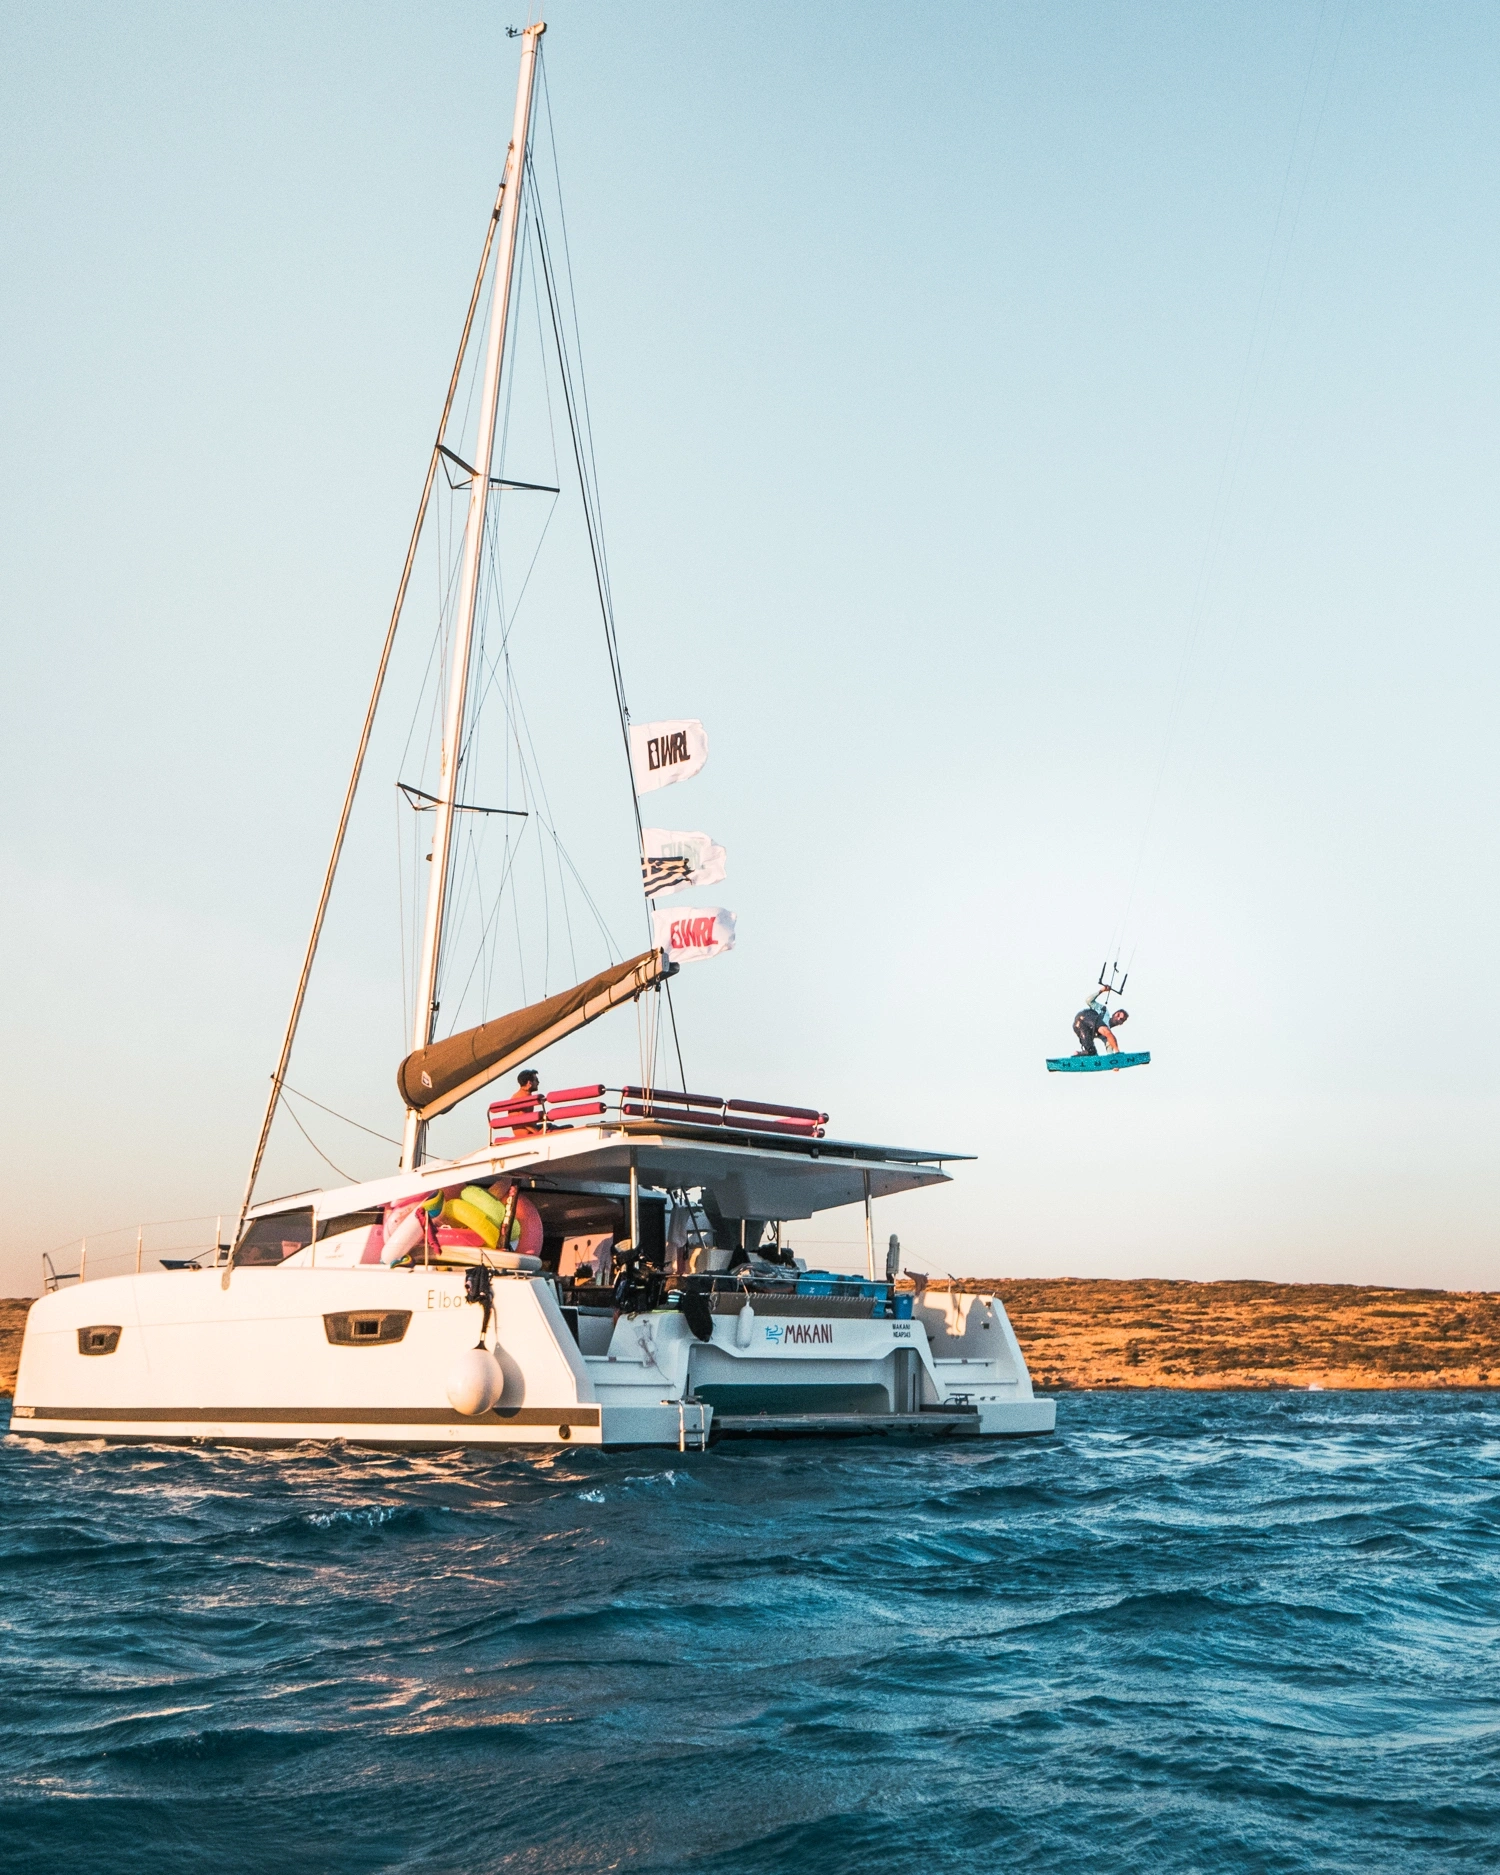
(1235, 441)
(468, 880)
(595, 543)
(562, 216)
(340, 1116)
(615, 952)
(406, 993)
(414, 920)
(495, 597)
(472, 877)
(437, 653)
(1227, 478)
(519, 725)
(512, 857)
(439, 632)
(515, 907)
(494, 663)
(492, 952)
(488, 665)
(512, 860)
(588, 481)
(492, 596)
(541, 854)
(542, 806)
(601, 581)
(476, 375)
(476, 859)
(492, 936)
(946, 1274)
(562, 892)
(369, 723)
(672, 1012)
(513, 853)
(458, 904)
(1260, 418)
(347, 1177)
(523, 247)
(1197, 748)
(447, 592)
(536, 298)
(492, 915)
(644, 1053)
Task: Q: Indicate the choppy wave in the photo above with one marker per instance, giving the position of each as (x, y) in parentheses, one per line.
(1190, 1632)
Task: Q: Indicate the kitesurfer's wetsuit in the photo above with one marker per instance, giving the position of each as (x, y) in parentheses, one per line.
(1086, 1026)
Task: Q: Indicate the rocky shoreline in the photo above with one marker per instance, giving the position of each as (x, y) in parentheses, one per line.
(1080, 1332)
(1091, 1332)
(12, 1324)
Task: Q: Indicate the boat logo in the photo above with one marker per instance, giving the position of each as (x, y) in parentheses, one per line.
(801, 1332)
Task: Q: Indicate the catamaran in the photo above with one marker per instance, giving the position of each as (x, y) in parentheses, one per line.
(611, 1266)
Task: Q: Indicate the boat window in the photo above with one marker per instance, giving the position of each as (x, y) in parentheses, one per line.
(350, 1220)
(271, 1240)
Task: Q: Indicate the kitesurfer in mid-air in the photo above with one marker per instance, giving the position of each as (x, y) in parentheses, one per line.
(1093, 1024)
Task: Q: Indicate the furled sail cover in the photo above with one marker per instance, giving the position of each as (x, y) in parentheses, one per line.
(437, 1077)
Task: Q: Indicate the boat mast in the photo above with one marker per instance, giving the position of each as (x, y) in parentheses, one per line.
(413, 1136)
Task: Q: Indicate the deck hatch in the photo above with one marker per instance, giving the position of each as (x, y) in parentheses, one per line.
(366, 1328)
(98, 1340)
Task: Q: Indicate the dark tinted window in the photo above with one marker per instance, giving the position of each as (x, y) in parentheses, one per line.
(273, 1239)
(351, 1220)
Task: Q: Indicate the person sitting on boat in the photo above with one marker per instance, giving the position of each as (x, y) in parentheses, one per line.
(528, 1088)
(1093, 1024)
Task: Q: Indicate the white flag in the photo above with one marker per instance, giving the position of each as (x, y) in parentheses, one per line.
(695, 931)
(674, 860)
(661, 753)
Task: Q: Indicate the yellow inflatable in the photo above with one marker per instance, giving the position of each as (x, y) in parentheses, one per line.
(480, 1199)
(468, 1216)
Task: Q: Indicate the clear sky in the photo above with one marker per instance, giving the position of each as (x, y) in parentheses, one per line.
(999, 409)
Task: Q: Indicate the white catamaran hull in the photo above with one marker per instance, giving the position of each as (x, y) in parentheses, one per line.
(278, 1356)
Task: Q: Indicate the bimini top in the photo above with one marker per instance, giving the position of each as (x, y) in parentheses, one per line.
(750, 1169)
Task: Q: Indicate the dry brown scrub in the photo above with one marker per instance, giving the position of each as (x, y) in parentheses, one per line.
(12, 1321)
(1083, 1332)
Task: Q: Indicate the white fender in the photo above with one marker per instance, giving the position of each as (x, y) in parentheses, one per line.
(475, 1382)
(744, 1326)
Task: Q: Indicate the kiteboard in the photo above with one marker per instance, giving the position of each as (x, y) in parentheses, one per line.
(1094, 1064)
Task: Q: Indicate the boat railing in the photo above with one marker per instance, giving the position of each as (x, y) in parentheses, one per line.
(527, 1114)
(52, 1277)
(166, 1243)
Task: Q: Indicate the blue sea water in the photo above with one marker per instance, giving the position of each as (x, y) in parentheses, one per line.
(1189, 1632)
